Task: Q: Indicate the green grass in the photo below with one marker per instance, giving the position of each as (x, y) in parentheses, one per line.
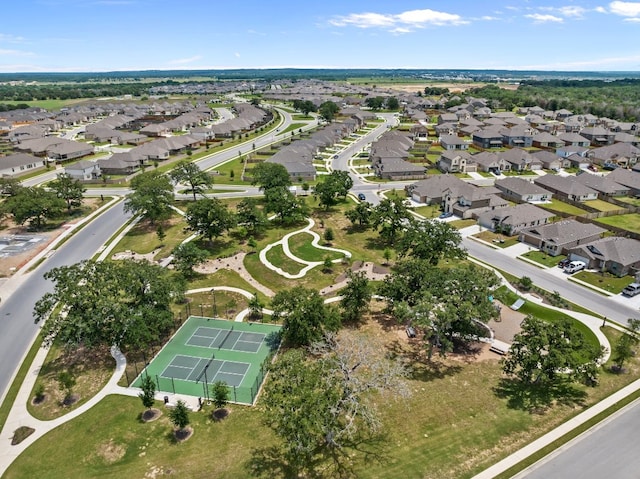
(222, 277)
(428, 211)
(293, 127)
(543, 258)
(629, 222)
(277, 258)
(602, 205)
(300, 245)
(143, 238)
(14, 387)
(557, 205)
(497, 239)
(630, 201)
(606, 281)
(460, 224)
(46, 104)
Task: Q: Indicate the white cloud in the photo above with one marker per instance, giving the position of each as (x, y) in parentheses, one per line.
(625, 9)
(632, 20)
(571, 11)
(489, 18)
(601, 10)
(8, 38)
(236, 54)
(183, 61)
(542, 18)
(399, 23)
(14, 53)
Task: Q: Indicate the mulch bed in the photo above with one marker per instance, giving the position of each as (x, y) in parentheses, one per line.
(151, 415)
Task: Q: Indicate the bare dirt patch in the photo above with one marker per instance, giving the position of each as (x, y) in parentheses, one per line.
(110, 452)
(220, 414)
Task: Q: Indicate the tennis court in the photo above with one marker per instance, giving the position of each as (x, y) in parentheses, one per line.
(204, 351)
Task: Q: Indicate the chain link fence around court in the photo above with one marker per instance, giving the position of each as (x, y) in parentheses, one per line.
(231, 358)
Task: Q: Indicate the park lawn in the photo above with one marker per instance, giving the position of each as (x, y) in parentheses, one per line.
(143, 238)
(543, 258)
(300, 245)
(91, 371)
(224, 173)
(222, 277)
(226, 305)
(602, 205)
(629, 222)
(280, 260)
(453, 426)
(52, 104)
(560, 206)
(606, 281)
(364, 244)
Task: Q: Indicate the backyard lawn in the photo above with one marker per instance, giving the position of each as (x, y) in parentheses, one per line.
(560, 206)
(602, 205)
(629, 222)
(497, 239)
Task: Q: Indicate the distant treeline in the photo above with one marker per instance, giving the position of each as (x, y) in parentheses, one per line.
(13, 106)
(618, 100)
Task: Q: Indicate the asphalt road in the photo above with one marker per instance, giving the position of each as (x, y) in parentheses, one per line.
(16, 311)
(609, 450)
(571, 291)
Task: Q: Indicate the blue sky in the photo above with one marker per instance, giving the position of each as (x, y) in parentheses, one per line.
(107, 35)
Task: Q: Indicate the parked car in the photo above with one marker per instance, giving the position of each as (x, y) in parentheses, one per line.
(447, 214)
(563, 262)
(609, 166)
(592, 167)
(575, 266)
(631, 289)
(361, 197)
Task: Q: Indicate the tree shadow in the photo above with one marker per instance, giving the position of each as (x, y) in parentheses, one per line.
(537, 398)
(327, 463)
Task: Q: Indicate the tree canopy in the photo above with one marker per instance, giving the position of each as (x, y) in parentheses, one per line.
(151, 197)
(333, 186)
(269, 175)
(33, 205)
(545, 353)
(328, 110)
(69, 189)
(305, 316)
(189, 173)
(316, 406)
(431, 240)
(122, 303)
(209, 217)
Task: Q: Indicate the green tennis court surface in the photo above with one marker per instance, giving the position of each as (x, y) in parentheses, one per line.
(204, 351)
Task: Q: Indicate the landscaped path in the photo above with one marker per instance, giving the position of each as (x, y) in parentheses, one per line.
(285, 247)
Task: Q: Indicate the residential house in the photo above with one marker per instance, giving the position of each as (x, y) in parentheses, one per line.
(604, 185)
(598, 136)
(456, 162)
(550, 160)
(490, 162)
(517, 137)
(614, 254)
(512, 219)
(522, 191)
(566, 187)
(621, 154)
(546, 140)
(520, 160)
(556, 238)
(466, 199)
(446, 129)
(20, 163)
(453, 142)
(630, 179)
(69, 150)
(431, 190)
(83, 170)
(487, 138)
(574, 139)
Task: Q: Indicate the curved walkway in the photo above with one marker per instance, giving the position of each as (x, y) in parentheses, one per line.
(285, 247)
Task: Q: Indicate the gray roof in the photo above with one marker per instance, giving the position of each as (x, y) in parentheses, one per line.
(603, 184)
(563, 232)
(625, 251)
(520, 186)
(565, 184)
